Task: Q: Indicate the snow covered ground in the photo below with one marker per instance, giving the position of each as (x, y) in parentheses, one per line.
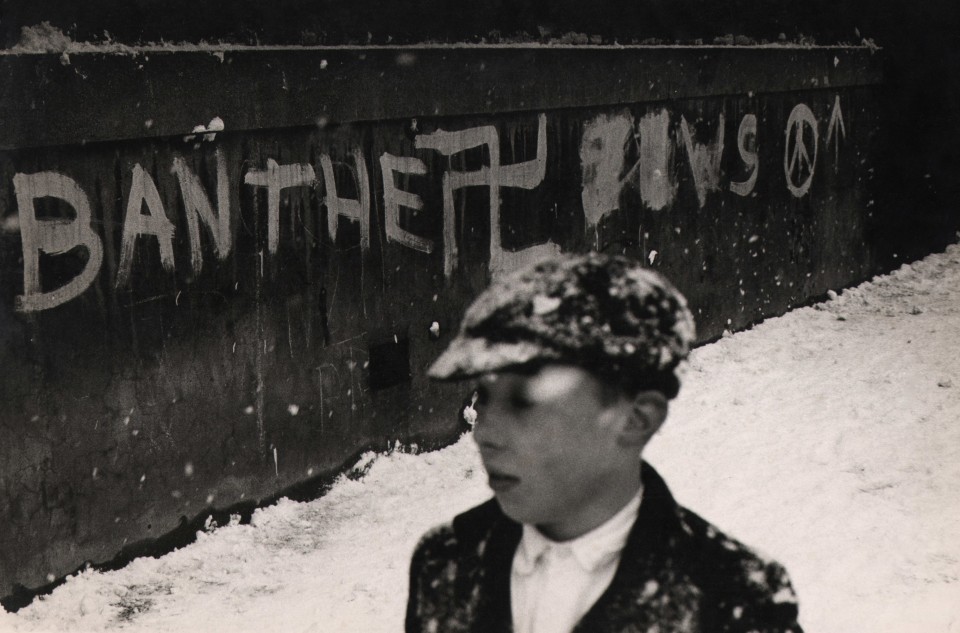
(828, 438)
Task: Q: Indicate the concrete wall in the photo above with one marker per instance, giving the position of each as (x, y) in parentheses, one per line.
(190, 321)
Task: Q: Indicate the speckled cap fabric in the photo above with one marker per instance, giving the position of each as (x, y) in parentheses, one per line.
(606, 313)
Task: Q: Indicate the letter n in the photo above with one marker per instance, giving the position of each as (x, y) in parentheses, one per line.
(196, 205)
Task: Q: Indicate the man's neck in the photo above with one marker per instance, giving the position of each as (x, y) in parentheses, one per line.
(595, 514)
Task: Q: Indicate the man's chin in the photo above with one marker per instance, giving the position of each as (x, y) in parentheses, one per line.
(514, 510)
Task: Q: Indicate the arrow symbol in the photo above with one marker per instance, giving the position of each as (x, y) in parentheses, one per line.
(836, 119)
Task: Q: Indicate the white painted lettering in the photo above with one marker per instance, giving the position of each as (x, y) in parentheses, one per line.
(53, 237)
(136, 223)
(602, 148)
(747, 144)
(704, 160)
(275, 178)
(196, 205)
(357, 210)
(658, 188)
(394, 198)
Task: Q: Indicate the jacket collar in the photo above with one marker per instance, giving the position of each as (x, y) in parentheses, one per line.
(486, 533)
(600, 546)
(634, 590)
(489, 538)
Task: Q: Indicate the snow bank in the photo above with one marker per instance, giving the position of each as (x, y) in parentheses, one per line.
(827, 438)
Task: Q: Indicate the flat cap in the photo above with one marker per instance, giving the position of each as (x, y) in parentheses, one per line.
(605, 313)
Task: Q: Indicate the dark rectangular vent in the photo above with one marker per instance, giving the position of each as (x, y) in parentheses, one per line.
(389, 363)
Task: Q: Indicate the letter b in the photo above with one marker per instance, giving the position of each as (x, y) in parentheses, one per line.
(53, 237)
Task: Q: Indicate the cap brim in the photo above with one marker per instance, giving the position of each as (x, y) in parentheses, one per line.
(468, 357)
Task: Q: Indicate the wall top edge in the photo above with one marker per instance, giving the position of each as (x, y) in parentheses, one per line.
(123, 49)
(71, 98)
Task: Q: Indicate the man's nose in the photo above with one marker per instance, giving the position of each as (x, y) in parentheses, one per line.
(488, 429)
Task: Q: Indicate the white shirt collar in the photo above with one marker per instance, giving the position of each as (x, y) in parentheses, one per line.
(591, 550)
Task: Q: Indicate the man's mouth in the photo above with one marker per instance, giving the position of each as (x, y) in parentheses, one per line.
(501, 482)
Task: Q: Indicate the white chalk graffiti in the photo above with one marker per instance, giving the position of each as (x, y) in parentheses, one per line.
(704, 160)
(658, 187)
(394, 198)
(337, 207)
(524, 175)
(747, 146)
(53, 237)
(196, 205)
(602, 149)
(796, 159)
(835, 129)
(607, 142)
(143, 191)
(602, 159)
(275, 178)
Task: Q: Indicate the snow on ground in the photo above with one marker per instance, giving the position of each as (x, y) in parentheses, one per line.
(828, 438)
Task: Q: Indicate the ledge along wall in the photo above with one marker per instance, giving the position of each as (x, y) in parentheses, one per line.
(189, 321)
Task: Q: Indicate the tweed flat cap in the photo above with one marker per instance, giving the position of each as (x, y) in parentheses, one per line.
(605, 313)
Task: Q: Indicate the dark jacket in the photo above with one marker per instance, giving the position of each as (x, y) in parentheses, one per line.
(677, 573)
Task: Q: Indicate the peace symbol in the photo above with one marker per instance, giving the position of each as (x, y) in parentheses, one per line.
(796, 159)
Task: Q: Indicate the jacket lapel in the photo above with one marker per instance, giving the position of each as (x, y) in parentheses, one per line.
(494, 538)
(645, 592)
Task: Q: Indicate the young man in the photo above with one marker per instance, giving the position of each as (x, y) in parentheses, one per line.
(576, 359)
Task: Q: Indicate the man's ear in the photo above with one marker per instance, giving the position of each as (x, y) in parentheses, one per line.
(647, 413)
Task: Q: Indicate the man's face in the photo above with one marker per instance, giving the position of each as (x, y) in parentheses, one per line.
(548, 441)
